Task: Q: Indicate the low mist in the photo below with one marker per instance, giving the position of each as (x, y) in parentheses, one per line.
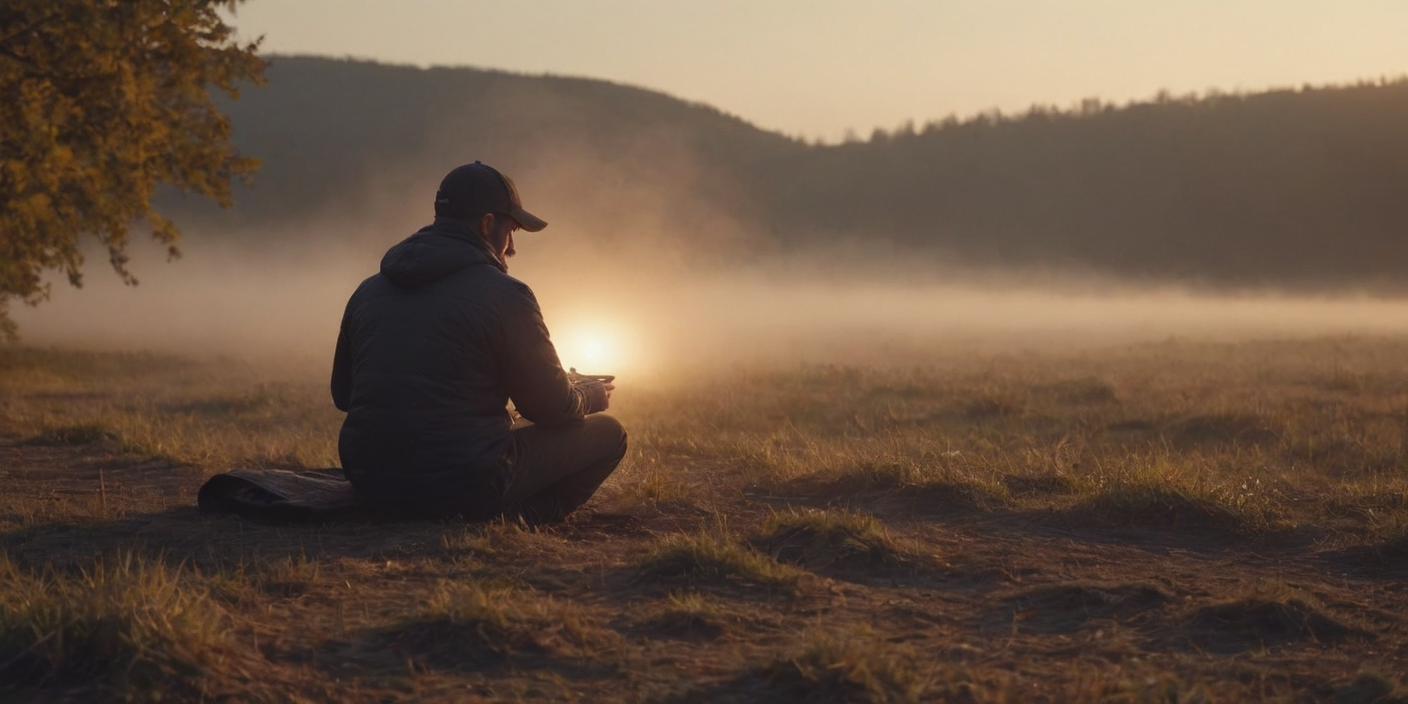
(682, 238)
(645, 270)
(640, 313)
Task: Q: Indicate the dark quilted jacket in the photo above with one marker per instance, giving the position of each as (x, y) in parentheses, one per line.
(430, 351)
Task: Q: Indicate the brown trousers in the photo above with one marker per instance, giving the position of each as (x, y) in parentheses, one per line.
(552, 471)
(545, 474)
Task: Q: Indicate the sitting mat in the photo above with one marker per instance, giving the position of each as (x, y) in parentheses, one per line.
(280, 494)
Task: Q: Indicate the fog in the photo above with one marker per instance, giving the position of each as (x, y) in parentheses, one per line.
(640, 312)
(646, 270)
(679, 237)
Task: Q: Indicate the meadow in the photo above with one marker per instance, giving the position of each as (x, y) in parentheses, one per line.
(1174, 521)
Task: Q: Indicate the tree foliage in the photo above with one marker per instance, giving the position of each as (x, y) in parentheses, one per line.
(102, 101)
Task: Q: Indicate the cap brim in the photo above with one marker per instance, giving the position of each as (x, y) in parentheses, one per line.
(528, 221)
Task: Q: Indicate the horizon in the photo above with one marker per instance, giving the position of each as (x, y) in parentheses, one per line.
(850, 135)
(825, 79)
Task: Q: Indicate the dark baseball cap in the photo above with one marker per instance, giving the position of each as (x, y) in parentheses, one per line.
(472, 190)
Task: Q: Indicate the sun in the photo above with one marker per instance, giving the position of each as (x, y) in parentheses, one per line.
(596, 352)
(593, 349)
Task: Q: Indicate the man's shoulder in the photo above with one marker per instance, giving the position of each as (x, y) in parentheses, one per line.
(369, 286)
(474, 285)
(495, 281)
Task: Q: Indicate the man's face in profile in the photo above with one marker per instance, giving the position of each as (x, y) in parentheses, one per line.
(500, 235)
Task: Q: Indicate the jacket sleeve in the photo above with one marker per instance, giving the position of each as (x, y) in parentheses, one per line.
(342, 371)
(533, 375)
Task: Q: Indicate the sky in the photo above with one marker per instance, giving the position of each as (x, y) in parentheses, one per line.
(819, 68)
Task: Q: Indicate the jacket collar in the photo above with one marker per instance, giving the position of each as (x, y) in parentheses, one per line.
(462, 230)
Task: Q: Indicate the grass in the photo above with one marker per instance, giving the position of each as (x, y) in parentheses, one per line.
(1267, 615)
(710, 558)
(130, 629)
(1372, 688)
(464, 623)
(847, 670)
(1065, 607)
(220, 414)
(1038, 526)
(819, 540)
(689, 613)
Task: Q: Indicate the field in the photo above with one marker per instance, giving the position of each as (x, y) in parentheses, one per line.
(1178, 521)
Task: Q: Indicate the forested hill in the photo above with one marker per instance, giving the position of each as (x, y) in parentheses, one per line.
(1282, 188)
(1285, 187)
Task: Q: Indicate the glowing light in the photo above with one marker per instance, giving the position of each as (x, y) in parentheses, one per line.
(595, 352)
(592, 349)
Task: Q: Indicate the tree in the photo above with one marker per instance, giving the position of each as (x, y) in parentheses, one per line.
(102, 101)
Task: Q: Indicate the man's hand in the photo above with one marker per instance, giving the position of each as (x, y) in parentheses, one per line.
(595, 389)
(574, 376)
(596, 394)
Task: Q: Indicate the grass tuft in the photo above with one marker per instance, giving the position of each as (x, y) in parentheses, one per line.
(707, 558)
(849, 670)
(960, 496)
(830, 539)
(69, 435)
(689, 614)
(1044, 484)
(503, 537)
(259, 579)
(133, 629)
(1063, 608)
(878, 474)
(1149, 505)
(1264, 619)
(467, 623)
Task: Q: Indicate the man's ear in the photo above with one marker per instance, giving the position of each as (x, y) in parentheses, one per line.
(486, 224)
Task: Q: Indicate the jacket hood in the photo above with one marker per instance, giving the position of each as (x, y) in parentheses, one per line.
(436, 251)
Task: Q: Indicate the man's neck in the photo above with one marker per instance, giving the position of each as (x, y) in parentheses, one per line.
(474, 235)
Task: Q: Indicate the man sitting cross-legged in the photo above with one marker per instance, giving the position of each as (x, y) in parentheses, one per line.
(431, 350)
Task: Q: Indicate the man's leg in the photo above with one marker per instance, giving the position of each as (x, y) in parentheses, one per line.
(555, 470)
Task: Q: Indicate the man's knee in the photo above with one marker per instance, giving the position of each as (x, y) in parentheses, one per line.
(609, 433)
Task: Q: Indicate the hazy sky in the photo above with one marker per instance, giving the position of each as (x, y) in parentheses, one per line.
(819, 67)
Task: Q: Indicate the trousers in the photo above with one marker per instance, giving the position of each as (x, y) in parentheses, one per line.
(545, 474)
(552, 471)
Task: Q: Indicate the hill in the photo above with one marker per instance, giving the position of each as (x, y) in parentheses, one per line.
(1282, 188)
(1292, 187)
(349, 142)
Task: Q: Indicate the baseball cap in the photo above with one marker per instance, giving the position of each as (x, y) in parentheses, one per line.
(470, 191)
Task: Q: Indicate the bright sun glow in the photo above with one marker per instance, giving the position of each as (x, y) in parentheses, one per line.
(594, 348)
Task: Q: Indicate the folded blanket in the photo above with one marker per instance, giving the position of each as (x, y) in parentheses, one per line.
(281, 495)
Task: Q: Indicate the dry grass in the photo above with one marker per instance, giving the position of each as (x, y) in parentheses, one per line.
(222, 413)
(1066, 607)
(1264, 616)
(689, 613)
(712, 558)
(822, 540)
(848, 670)
(131, 630)
(1053, 526)
(465, 623)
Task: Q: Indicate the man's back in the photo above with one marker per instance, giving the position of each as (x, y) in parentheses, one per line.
(429, 352)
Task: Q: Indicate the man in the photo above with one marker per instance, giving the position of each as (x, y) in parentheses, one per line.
(430, 352)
